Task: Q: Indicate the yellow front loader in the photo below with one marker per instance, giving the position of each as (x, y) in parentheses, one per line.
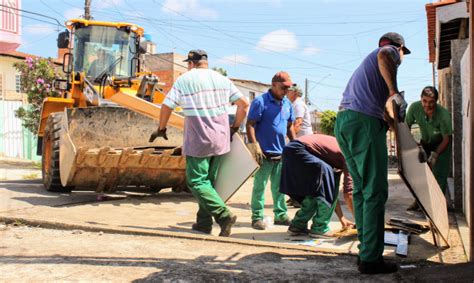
(87, 138)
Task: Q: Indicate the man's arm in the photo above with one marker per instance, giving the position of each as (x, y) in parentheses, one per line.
(297, 125)
(250, 126)
(444, 144)
(344, 221)
(241, 113)
(388, 68)
(290, 131)
(165, 115)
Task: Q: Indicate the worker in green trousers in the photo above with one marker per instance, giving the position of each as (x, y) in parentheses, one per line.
(361, 134)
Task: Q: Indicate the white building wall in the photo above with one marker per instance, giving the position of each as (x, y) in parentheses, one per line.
(466, 103)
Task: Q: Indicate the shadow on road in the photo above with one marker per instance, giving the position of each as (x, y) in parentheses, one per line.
(267, 266)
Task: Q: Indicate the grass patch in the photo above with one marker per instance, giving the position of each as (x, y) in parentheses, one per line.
(31, 176)
(37, 164)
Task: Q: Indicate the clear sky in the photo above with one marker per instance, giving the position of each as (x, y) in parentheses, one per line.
(320, 40)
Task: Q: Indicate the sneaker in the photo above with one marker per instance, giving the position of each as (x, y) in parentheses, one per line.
(294, 231)
(258, 225)
(284, 222)
(327, 235)
(226, 225)
(205, 230)
(380, 267)
(414, 207)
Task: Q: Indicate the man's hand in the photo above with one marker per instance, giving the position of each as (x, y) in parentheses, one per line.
(346, 224)
(158, 133)
(233, 130)
(422, 157)
(432, 159)
(256, 152)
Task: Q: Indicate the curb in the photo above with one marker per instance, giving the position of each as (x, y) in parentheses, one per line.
(179, 235)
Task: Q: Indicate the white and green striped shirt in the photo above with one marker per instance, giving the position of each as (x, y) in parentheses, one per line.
(205, 96)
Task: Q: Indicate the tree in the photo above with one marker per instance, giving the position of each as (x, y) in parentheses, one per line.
(37, 75)
(328, 119)
(220, 70)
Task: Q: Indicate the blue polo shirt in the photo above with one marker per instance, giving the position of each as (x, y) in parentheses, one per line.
(272, 117)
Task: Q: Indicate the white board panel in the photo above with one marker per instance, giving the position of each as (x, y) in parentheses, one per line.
(238, 165)
(421, 181)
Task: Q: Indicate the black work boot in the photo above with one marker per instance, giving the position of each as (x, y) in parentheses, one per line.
(205, 230)
(379, 267)
(226, 225)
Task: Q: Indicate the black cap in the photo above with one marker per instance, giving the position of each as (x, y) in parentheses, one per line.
(196, 55)
(394, 38)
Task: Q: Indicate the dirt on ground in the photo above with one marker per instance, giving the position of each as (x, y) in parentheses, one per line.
(37, 254)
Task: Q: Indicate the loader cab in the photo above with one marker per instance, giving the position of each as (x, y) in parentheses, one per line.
(105, 50)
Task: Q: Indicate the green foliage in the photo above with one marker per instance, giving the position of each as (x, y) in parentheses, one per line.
(37, 76)
(220, 70)
(328, 119)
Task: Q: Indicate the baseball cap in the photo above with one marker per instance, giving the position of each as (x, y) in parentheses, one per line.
(394, 38)
(296, 89)
(282, 77)
(196, 55)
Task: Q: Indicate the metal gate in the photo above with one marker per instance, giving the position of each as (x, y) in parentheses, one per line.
(11, 131)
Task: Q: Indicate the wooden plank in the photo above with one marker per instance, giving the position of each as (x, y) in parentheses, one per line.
(237, 166)
(146, 108)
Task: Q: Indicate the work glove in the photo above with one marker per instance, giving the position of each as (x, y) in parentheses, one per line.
(256, 152)
(158, 133)
(399, 100)
(432, 159)
(422, 157)
(233, 130)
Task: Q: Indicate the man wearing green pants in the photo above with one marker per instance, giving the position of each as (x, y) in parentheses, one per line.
(361, 133)
(205, 96)
(436, 130)
(308, 176)
(270, 119)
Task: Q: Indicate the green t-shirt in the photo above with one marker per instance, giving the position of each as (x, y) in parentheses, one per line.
(432, 130)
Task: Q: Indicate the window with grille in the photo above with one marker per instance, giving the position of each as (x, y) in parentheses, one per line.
(18, 83)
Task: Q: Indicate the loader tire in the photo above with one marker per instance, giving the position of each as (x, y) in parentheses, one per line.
(50, 155)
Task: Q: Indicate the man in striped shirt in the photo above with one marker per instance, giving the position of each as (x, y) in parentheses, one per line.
(204, 95)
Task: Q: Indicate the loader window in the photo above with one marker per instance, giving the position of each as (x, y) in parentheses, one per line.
(104, 50)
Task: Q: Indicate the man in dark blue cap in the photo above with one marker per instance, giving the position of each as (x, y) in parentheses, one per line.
(361, 133)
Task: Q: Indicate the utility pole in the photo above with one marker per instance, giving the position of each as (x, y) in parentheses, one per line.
(87, 9)
(306, 98)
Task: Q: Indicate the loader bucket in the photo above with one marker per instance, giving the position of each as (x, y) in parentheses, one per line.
(105, 148)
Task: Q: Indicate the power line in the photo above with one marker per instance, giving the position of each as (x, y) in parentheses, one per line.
(29, 12)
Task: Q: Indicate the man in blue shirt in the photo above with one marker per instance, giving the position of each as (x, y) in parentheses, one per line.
(361, 133)
(270, 119)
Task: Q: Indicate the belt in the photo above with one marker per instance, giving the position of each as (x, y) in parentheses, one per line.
(273, 156)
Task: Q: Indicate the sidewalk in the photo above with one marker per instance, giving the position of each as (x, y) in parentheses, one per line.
(171, 214)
